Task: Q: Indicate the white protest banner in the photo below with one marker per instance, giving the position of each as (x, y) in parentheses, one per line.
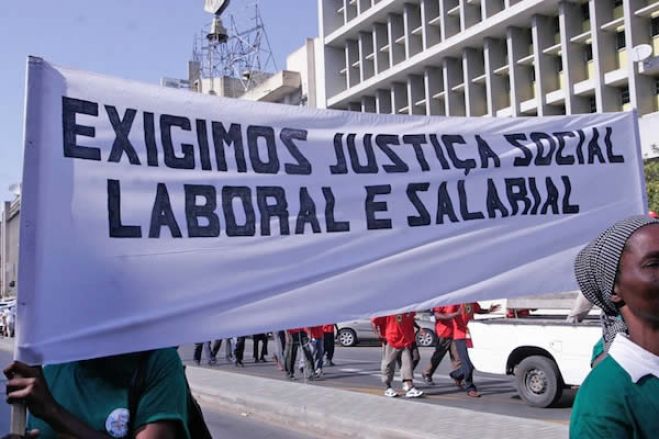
(155, 217)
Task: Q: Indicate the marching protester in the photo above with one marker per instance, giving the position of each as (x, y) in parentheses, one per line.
(239, 351)
(316, 341)
(296, 338)
(396, 334)
(263, 340)
(88, 399)
(280, 349)
(444, 342)
(329, 343)
(206, 346)
(618, 272)
(463, 374)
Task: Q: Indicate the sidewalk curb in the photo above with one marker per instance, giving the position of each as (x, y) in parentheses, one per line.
(335, 413)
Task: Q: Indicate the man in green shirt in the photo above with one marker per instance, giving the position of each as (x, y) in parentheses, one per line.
(619, 272)
(90, 398)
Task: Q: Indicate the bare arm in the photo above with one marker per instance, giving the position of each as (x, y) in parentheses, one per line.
(27, 385)
(446, 316)
(492, 308)
(158, 430)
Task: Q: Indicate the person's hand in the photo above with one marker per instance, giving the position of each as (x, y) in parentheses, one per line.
(27, 385)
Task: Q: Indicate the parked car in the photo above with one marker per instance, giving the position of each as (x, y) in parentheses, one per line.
(356, 331)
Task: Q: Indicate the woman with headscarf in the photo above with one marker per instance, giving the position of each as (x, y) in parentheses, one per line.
(619, 272)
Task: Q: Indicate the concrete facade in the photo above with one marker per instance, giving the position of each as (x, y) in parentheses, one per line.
(9, 239)
(492, 58)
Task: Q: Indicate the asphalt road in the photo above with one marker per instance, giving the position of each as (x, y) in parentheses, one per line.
(222, 425)
(357, 369)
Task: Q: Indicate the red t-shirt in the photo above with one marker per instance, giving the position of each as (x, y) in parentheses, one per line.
(444, 328)
(460, 322)
(315, 331)
(398, 330)
(328, 328)
(294, 330)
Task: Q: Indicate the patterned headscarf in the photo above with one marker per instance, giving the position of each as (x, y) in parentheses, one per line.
(596, 268)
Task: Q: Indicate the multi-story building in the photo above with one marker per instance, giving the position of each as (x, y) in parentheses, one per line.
(493, 58)
(9, 234)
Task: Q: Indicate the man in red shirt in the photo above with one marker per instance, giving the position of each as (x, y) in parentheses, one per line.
(444, 316)
(397, 336)
(462, 341)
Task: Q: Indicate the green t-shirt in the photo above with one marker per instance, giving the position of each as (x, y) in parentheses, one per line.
(96, 391)
(610, 405)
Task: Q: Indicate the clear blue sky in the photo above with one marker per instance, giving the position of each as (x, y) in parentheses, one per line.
(137, 39)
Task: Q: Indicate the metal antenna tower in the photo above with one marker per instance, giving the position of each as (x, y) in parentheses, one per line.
(241, 52)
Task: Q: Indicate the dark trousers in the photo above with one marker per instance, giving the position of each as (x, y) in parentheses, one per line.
(263, 339)
(328, 341)
(198, 348)
(293, 342)
(239, 350)
(466, 370)
(442, 346)
(217, 344)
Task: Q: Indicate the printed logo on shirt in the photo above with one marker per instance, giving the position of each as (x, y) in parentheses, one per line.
(117, 423)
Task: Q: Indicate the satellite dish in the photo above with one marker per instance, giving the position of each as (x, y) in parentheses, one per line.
(215, 7)
(15, 188)
(641, 52)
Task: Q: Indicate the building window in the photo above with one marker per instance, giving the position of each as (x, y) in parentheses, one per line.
(559, 64)
(656, 86)
(617, 3)
(585, 11)
(655, 26)
(532, 74)
(593, 104)
(620, 40)
(624, 96)
(588, 53)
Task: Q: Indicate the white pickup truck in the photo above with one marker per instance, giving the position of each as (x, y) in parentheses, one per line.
(543, 351)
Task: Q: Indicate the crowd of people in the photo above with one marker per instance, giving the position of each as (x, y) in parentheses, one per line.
(306, 350)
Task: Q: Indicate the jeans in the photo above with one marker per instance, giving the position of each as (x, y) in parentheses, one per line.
(466, 370)
(318, 350)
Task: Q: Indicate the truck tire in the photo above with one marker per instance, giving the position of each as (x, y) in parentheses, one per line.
(538, 381)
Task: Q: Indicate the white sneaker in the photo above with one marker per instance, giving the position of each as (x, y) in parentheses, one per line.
(413, 393)
(391, 393)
